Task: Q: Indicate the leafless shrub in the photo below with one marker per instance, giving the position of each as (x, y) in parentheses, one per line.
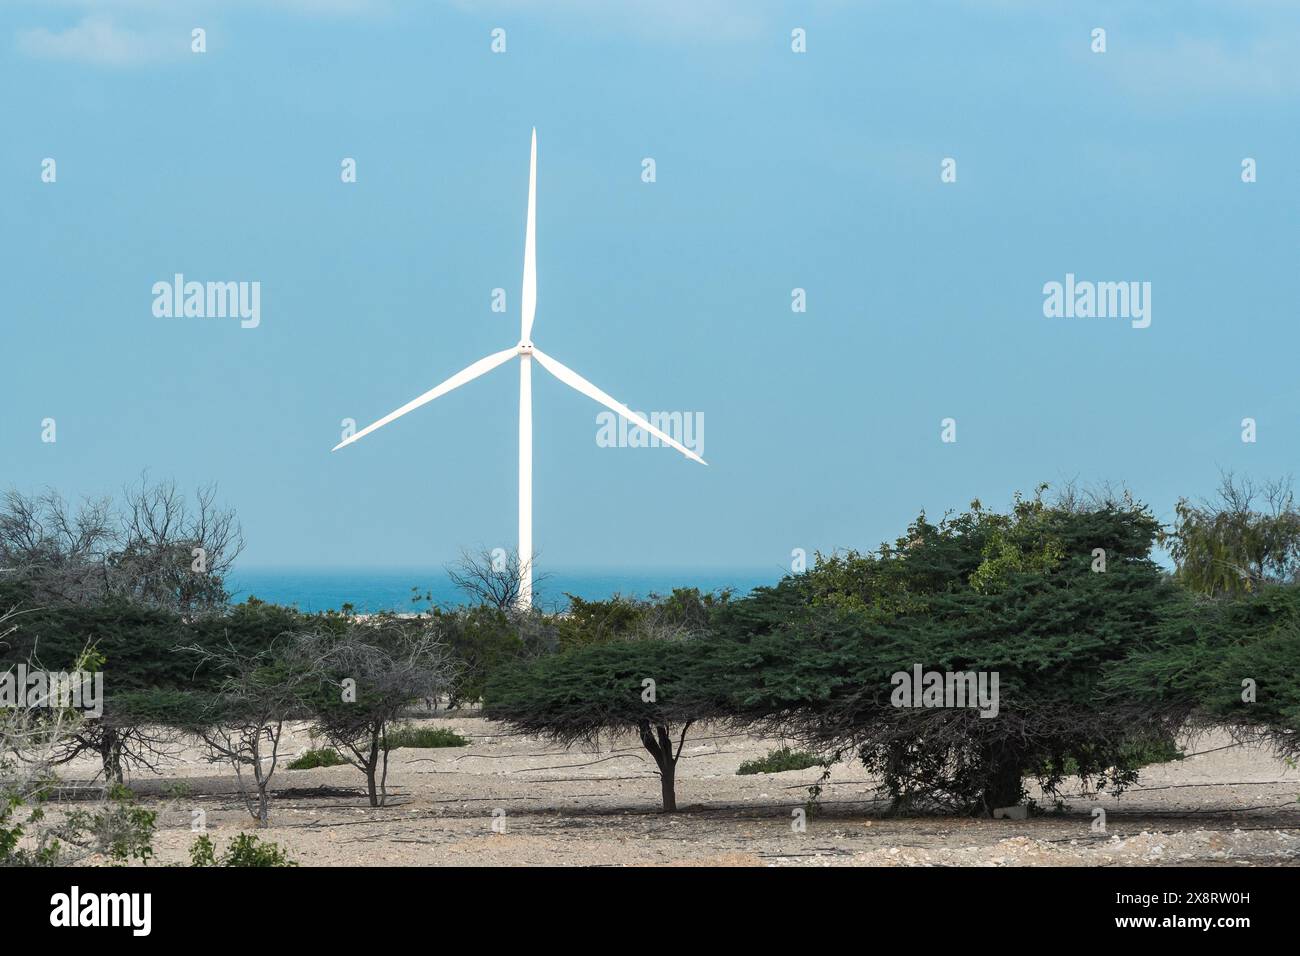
(157, 548)
(371, 672)
(121, 745)
(172, 554)
(494, 579)
(243, 722)
(61, 552)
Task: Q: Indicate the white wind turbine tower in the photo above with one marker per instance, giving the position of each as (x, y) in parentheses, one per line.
(526, 352)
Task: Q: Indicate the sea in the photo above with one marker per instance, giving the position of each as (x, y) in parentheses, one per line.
(371, 590)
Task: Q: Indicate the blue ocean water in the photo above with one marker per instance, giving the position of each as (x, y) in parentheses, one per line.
(390, 589)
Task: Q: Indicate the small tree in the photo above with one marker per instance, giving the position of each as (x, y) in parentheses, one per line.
(138, 644)
(587, 693)
(32, 734)
(1245, 538)
(492, 579)
(121, 739)
(157, 548)
(371, 672)
(126, 576)
(172, 553)
(243, 722)
(56, 551)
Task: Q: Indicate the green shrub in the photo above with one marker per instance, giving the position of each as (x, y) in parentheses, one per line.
(1131, 756)
(598, 622)
(321, 757)
(481, 641)
(12, 829)
(244, 850)
(140, 642)
(683, 613)
(178, 790)
(779, 761)
(120, 830)
(123, 830)
(417, 737)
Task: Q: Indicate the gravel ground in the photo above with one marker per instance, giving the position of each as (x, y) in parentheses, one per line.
(1232, 805)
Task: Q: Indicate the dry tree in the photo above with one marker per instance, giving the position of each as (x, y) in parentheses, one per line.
(243, 722)
(370, 672)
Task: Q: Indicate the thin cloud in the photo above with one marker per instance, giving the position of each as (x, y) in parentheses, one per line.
(1263, 65)
(335, 8)
(98, 40)
(124, 33)
(205, 7)
(678, 19)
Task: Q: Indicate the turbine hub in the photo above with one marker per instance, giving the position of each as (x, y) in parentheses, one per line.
(525, 348)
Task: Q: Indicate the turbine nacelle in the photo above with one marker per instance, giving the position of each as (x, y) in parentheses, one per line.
(525, 348)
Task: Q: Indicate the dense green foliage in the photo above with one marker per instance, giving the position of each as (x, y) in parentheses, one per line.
(424, 737)
(645, 686)
(780, 761)
(318, 757)
(484, 639)
(588, 692)
(1230, 663)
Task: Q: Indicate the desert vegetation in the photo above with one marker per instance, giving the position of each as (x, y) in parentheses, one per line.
(1083, 657)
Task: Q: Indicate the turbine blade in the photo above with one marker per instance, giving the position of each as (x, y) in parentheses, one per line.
(575, 381)
(528, 300)
(456, 381)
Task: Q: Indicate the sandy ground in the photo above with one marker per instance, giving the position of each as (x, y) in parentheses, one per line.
(1232, 805)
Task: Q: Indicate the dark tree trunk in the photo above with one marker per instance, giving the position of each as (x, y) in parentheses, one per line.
(667, 781)
(383, 775)
(658, 741)
(1002, 786)
(110, 752)
(372, 762)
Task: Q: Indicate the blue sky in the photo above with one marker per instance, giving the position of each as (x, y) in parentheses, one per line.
(775, 170)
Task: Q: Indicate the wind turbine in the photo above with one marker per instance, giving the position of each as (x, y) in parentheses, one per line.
(526, 352)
